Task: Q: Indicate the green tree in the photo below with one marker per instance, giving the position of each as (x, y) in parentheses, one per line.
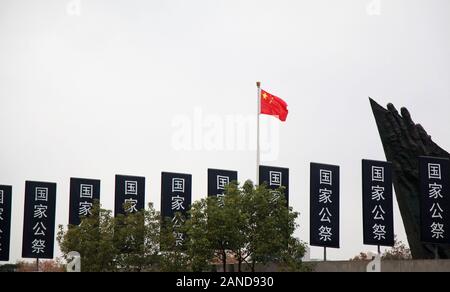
(93, 239)
(291, 258)
(398, 252)
(126, 243)
(214, 228)
(136, 237)
(199, 244)
(270, 224)
(8, 268)
(237, 212)
(251, 224)
(173, 256)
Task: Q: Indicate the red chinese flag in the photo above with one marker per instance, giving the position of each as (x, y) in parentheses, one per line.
(274, 106)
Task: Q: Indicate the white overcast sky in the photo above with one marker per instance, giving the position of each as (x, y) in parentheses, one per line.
(96, 94)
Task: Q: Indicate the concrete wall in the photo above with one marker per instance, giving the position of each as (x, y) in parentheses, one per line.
(386, 266)
(360, 266)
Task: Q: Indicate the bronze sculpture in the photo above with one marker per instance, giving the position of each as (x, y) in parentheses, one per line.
(403, 142)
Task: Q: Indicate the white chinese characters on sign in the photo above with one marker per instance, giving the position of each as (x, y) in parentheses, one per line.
(177, 203)
(434, 171)
(177, 220)
(325, 233)
(222, 182)
(179, 238)
(130, 205)
(378, 213)
(379, 231)
(40, 211)
(325, 196)
(178, 185)
(326, 177)
(276, 196)
(436, 211)
(41, 194)
(131, 188)
(38, 246)
(378, 193)
(86, 191)
(435, 192)
(325, 215)
(220, 200)
(275, 178)
(39, 229)
(378, 173)
(85, 209)
(437, 229)
(1, 216)
(377, 196)
(40, 208)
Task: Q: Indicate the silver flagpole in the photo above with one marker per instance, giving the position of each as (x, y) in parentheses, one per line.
(258, 108)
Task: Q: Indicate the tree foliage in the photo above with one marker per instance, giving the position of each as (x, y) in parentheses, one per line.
(398, 252)
(136, 238)
(248, 225)
(93, 239)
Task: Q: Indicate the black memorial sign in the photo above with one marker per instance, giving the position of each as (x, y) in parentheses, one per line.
(83, 193)
(378, 213)
(5, 221)
(39, 220)
(130, 193)
(218, 179)
(434, 200)
(275, 177)
(176, 197)
(324, 205)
